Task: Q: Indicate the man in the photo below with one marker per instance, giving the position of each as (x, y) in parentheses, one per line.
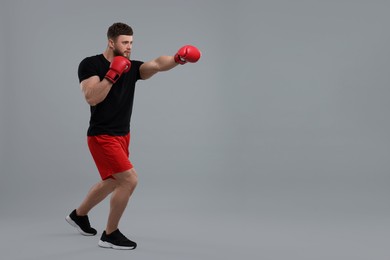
(108, 82)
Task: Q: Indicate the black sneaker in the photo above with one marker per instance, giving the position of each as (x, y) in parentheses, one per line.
(81, 223)
(116, 240)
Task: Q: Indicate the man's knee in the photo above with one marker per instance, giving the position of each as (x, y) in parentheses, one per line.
(132, 177)
(127, 178)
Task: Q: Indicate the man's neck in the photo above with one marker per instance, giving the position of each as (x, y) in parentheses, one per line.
(108, 54)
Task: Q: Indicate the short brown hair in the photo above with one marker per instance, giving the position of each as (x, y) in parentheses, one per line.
(118, 29)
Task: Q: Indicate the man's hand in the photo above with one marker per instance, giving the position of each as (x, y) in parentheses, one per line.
(187, 53)
(118, 66)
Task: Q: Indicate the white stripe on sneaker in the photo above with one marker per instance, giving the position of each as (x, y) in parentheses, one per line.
(106, 244)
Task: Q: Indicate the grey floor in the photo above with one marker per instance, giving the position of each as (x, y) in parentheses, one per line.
(176, 230)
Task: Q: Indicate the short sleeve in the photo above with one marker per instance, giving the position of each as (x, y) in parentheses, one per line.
(87, 69)
(137, 64)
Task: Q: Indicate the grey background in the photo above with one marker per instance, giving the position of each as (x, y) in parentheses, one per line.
(275, 145)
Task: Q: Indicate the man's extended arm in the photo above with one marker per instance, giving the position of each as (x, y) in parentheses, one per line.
(185, 54)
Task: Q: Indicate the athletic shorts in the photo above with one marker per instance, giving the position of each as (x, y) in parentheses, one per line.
(110, 153)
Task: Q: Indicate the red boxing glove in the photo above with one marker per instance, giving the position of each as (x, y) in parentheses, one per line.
(187, 53)
(118, 66)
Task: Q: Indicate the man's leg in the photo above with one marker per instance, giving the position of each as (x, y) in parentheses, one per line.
(125, 185)
(79, 218)
(112, 237)
(96, 194)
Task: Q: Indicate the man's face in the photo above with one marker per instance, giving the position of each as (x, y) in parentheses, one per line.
(122, 45)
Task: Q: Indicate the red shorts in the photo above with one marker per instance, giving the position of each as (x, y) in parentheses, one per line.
(110, 153)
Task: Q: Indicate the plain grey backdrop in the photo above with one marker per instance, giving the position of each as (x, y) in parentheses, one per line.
(275, 145)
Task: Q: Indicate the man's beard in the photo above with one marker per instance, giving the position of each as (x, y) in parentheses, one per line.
(118, 53)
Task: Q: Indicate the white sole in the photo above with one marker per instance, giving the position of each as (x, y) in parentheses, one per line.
(73, 224)
(109, 245)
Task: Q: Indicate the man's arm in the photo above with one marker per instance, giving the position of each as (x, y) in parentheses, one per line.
(95, 91)
(185, 54)
(162, 63)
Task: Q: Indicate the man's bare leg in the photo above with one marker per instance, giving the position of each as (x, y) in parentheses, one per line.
(125, 185)
(79, 218)
(96, 194)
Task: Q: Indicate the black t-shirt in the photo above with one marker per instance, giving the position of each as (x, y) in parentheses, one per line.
(111, 116)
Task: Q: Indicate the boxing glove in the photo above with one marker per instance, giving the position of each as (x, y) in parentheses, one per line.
(118, 66)
(187, 53)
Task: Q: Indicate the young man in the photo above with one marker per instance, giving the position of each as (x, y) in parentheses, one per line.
(108, 82)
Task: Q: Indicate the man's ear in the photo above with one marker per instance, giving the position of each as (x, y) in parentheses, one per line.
(111, 43)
